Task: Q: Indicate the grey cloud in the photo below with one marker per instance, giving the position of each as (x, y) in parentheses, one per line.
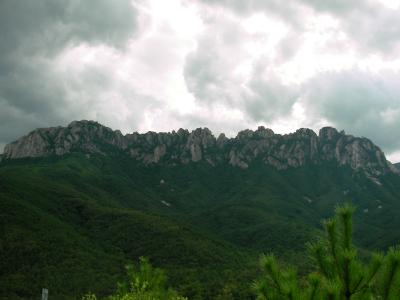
(375, 30)
(90, 95)
(9, 127)
(33, 88)
(358, 101)
(208, 70)
(370, 25)
(210, 74)
(33, 94)
(31, 97)
(363, 103)
(251, 6)
(32, 33)
(46, 25)
(290, 9)
(270, 99)
(291, 12)
(336, 6)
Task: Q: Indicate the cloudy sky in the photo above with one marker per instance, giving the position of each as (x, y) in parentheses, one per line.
(223, 64)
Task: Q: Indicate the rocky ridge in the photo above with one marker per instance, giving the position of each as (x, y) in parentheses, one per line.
(280, 151)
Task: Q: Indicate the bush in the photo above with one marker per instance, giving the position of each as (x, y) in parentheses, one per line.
(144, 283)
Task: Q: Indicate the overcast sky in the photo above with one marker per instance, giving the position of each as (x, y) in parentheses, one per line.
(223, 64)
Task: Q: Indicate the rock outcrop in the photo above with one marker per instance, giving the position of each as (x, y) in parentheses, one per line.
(280, 151)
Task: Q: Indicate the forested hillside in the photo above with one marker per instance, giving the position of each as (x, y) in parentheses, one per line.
(71, 223)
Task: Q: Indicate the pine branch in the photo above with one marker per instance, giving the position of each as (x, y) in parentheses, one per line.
(348, 256)
(340, 274)
(269, 264)
(393, 258)
(330, 226)
(345, 214)
(318, 253)
(374, 267)
(315, 283)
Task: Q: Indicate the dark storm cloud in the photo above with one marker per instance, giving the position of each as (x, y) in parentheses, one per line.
(32, 33)
(47, 25)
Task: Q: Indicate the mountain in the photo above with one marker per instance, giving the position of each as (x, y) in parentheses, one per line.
(79, 202)
(280, 151)
(397, 165)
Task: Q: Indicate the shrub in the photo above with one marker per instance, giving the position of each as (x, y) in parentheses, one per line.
(144, 283)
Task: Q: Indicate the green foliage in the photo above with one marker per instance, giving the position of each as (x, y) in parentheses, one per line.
(89, 297)
(144, 283)
(61, 216)
(59, 219)
(340, 273)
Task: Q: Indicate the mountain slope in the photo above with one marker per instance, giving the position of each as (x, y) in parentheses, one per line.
(197, 218)
(71, 237)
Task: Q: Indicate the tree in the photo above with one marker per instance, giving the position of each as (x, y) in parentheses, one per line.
(144, 283)
(340, 274)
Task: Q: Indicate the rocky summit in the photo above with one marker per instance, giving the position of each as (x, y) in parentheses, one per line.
(280, 151)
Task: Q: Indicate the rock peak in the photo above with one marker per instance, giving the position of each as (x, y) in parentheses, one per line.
(263, 145)
(328, 133)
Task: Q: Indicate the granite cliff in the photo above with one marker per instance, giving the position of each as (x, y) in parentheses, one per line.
(280, 151)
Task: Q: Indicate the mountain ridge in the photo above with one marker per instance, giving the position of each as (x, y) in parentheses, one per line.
(280, 151)
(111, 202)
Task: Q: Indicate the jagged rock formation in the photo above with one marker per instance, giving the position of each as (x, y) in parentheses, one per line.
(280, 151)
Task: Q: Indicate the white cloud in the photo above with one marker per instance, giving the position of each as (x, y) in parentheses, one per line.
(394, 157)
(125, 87)
(226, 64)
(391, 4)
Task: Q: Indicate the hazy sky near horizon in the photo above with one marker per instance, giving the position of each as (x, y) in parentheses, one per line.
(223, 64)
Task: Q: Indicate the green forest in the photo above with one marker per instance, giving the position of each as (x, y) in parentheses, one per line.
(72, 224)
(338, 272)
